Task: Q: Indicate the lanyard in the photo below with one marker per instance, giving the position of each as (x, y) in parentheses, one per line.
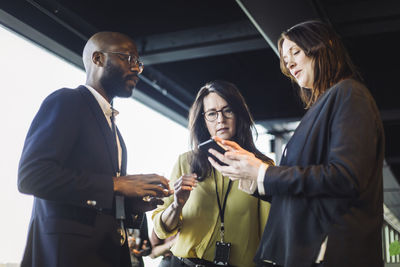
(222, 209)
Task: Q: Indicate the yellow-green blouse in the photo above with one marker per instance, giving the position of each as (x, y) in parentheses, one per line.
(245, 218)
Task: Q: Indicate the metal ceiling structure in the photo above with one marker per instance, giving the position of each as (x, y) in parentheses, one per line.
(185, 44)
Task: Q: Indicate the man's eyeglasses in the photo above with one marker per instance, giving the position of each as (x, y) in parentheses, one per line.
(132, 59)
(212, 115)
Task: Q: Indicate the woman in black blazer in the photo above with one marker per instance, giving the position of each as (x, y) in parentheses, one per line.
(326, 195)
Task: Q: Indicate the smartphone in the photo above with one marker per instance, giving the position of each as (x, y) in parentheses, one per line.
(211, 143)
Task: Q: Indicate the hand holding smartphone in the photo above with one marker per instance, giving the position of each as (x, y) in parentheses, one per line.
(211, 143)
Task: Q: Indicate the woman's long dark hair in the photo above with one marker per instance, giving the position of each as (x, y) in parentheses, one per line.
(198, 161)
(331, 60)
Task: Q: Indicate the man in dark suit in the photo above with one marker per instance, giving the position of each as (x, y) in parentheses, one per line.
(74, 164)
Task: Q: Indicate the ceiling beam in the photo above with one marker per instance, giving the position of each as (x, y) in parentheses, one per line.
(390, 115)
(63, 16)
(271, 17)
(28, 32)
(159, 107)
(164, 92)
(35, 36)
(157, 77)
(199, 43)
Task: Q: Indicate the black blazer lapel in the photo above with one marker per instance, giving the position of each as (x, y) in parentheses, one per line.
(103, 124)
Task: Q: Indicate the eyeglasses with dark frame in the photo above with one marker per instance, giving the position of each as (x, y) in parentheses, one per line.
(212, 115)
(132, 59)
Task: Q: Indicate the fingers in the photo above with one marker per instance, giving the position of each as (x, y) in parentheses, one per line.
(153, 182)
(231, 145)
(183, 187)
(186, 182)
(142, 185)
(215, 164)
(220, 156)
(156, 190)
(156, 179)
(237, 163)
(154, 185)
(225, 170)
(165, 182)
(217, 138)
(238, 155)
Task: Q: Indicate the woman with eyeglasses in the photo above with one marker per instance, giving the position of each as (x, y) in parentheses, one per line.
(203, 197)
(326, 195)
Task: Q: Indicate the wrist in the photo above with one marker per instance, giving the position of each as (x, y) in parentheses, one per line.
(256, 170)
(175, 206)
(261, 170)
(260, 178)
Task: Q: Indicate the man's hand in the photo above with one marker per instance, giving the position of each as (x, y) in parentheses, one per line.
(141, 185)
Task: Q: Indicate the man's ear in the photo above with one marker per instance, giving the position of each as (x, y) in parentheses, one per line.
(98, 58)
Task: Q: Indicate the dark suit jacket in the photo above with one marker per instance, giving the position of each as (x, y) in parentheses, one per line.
(67, 164)
(329, 183)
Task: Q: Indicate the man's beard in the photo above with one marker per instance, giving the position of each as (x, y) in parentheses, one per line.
(114, 83)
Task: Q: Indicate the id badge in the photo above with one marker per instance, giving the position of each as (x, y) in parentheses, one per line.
(222, 251)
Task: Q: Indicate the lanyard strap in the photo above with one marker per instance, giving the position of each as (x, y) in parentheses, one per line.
(222, 209)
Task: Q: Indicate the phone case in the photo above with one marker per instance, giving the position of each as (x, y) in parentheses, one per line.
(211, 143)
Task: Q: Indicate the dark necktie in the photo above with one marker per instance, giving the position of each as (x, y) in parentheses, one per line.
(119, 199)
